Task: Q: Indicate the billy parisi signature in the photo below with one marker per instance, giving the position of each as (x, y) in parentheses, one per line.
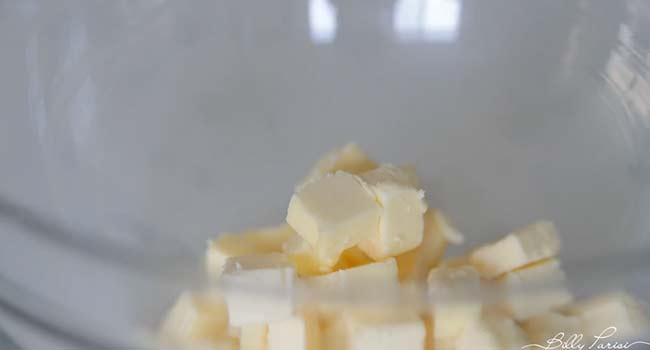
(575, 342)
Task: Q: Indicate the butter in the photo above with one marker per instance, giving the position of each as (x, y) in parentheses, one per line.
(253, 337)
(617, 309)
(533, 290)
(545, 326)
(304, 258)
(455, 297)
(376, 331)
(196, 317)
(401, 220)
(260, 241)
(349, 158)
(300, 332)
(258, 288)
(530, 244)
(332, 214)
(416, 263)
(493, 331)
(378, 275)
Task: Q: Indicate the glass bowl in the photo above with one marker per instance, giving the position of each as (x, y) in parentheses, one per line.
(134, 131)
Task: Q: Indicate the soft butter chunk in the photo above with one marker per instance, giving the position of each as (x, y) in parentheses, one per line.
(376, 330)
(493, 331)
(349, 158)
(533, 243)
(357, 280)
(332, 214)
(258, 288)
(304, 258)
(438, 232)
(455, 297)
(260, 241)
(617, 309)
(541, 328)
(197, 317)
(401, 220)
(253, 337)
(300, 332)
(533, 290)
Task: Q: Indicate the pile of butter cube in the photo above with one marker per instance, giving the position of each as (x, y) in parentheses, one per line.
(359, 265)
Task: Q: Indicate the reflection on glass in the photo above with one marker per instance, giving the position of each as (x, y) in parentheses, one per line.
(627, 74)
(322, 21)
(433, 20)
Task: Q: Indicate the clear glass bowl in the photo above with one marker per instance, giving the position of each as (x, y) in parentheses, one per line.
(134, 131)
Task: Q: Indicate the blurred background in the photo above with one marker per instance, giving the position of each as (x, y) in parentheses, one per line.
(133, 131)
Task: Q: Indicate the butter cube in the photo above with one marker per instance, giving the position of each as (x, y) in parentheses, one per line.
(333, 213)
(300, 332)
(258, 288)
(617, 309)
(533, 290)
(377, 331)
(349, 158)
(416, 263)
(401, 220)
(507, 331)
(304, 258)
(260, 241)
(533, 243)
(196, 317)
(455, 294)
(546, 326)
(253, 337)
(359, 280)
(492, 331)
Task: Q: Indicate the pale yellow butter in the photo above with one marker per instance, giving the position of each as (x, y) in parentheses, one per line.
(253, 337)
(258, 288)
(617, 309)
(196, 317)
(438, 232)
(332, 214)
(533, 243)
(260, 241)
(349, 158)
(376, 330)
(544, 327)
(301, 332)
(533, 290)
(306, 262)
(401, 220)
(455, 298)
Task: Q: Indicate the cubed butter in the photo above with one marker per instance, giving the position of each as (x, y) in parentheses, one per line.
(541, 328)
(401, 220)
(455, 298)
(196, 317)
(304, 258)
(530, 244)
(253, 337)
(260, 241)
(357, 280)
(617, 309)
(492, 331)
(349, 158)
(376, 331)
(334, 213)
(533, 290)
(416, 263)
(300, 332)
(258, 288)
